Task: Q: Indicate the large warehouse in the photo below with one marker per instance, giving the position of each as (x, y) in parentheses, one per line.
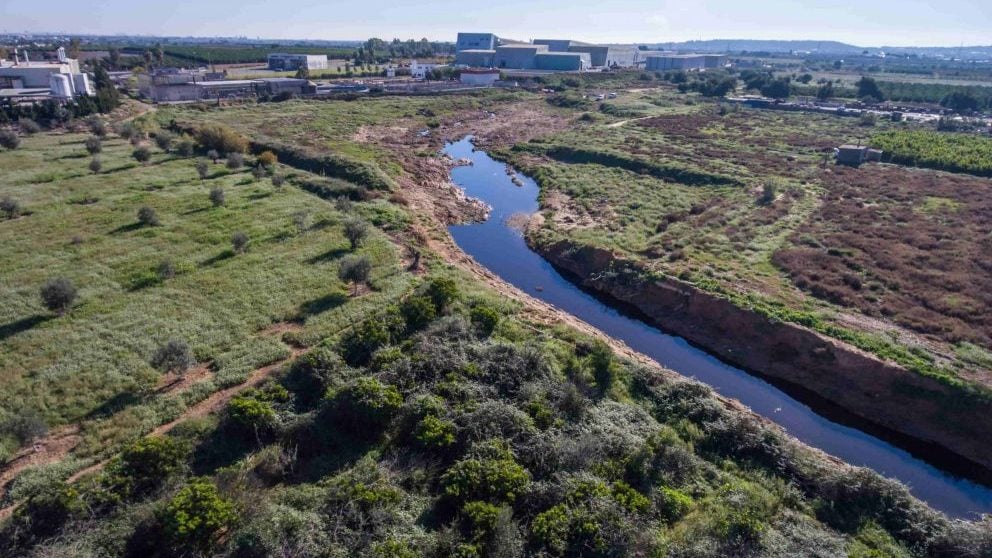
(486, 50)
(663, 62)
(280, 62)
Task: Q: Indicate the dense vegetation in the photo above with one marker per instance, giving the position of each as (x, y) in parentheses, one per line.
(952, 152)
(423, 431)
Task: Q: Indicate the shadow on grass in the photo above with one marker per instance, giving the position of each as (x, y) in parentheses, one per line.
(223, 447)
(329, 447)
(322, 304)
(115, 404)
(327, 256)
(260, 196)
(225, 255)
(22, 325)
(197, 210)
(130, 227)
(73, 156)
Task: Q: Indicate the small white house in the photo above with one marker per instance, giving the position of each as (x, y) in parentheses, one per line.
(479, 77)
(420, 71)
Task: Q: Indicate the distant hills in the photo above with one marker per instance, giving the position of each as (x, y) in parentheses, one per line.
(820, 47)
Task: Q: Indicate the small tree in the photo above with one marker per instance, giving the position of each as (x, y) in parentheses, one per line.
(26, 426)
(58, 294)
(302, 221)
(196, 516)
(768, 193)
(10, 207)
(142, 154)
(258, 173)
(94, 145)
(235, 161)
(146, 464)
(278, 180)
(185, 147)
(239, 241)
(164, 139)
(96, 165)
(9, 140)
(202, 169)
(174, 356)
(355, 230)
(97, 126)
(217, 196)
(148, 217)
(213, 155)
(29, 127)
(355, 270)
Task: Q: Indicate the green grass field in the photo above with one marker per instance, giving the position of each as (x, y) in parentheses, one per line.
(83, 226)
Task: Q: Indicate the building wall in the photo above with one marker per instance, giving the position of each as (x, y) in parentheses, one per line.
(554, 45)
(290, 62)
(518, 57)
(714, 60)
(35, 76)
(476, 58)
(562, 61)
(488, 78)
(475, 41)
(662, 63)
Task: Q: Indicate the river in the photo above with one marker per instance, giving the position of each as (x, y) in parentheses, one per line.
(502, 249)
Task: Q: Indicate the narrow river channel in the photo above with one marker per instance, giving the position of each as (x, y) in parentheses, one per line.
(503, 250)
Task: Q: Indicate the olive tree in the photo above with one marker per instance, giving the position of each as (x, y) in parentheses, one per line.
(217, 196)
(173, 356)
(239, 241)
(58, 294)
(355, 270)
(355, 230)
(148, 217)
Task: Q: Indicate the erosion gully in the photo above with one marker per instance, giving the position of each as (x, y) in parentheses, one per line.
(503, 250)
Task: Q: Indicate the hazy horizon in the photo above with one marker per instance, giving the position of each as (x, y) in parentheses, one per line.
(884, 23)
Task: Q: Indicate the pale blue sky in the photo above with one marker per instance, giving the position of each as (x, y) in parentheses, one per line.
(861, 22)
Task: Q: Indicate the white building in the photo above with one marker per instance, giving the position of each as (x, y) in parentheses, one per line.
(62, 79)
(420, 71)
(479, 77)
(280, 62)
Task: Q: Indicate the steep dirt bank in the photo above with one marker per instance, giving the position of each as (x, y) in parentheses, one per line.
(879, 392)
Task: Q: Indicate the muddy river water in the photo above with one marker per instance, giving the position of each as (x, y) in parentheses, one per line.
(502, 249)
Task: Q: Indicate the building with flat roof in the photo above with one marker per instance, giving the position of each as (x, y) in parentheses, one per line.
(478, 77)
(280, 62)
(476, 41)
(62, 78)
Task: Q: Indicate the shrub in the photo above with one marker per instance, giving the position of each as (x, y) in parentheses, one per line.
(58, 295)
(25, 426)
(166, 269)
(96, 165)
(220, 138)
(418, 311)
(213, 155)
(672, 504)
(768, 193)
(485, 318)
(185, 147)
(433, 432)
(235, 161)
(278, 180)
(97, 126)
(174, 356)
(355, 270)
(164, 139)
(355, 230)
(258, 173)
(250, 413)
(367, 401)
(442, 292)
(601, 360)
(267, 159)
(10, 207)
(44, 513)
(148, 217)
(147, 463)
(9, 140)
(142, 154)
(28, 126)
(239, 242)
(217, 196)
(358, 346)
(490, 475)
(202, 169)
(93, 145)
(482, 518)
(196, 516)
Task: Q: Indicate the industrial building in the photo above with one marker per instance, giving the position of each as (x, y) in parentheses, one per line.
(479, 77)
(61, 79)
(662, 62)
(172, 85)
(485, 50)
(280, 62)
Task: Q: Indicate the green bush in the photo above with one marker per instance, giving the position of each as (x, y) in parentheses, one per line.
(360, 344)
(672, 504)
(433, 432)
(485, 318)
(146, 464)
(220, 138)
(492, 476)
(442, 292)
(250, 414)
(481, 519)
(418, 311)
(45, 513)
(368, 402)
(603, 365)
(196, 517)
